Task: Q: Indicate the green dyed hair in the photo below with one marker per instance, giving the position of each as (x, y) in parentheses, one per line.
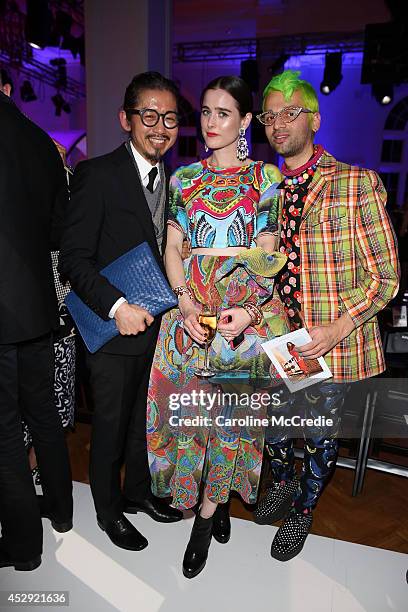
(287, 83)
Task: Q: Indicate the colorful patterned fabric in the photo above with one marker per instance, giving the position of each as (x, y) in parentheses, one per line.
(219, 207)
(233, 455)
(295, 187)
(65, 358)
(223, 456)
(348, 262)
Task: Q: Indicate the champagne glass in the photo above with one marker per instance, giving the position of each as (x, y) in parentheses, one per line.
(208, 321)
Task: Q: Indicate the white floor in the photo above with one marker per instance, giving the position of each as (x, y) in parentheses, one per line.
(328, 576)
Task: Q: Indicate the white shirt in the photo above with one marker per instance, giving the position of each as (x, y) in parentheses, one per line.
(144, 168)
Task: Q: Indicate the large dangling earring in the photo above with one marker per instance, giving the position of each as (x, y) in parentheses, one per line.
(206, 149)
(242, 145)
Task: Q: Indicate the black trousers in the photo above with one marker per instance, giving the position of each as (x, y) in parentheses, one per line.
(27, 390)
(119, 386)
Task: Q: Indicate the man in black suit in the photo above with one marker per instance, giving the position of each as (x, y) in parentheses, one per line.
(118, 201)
(32, 189)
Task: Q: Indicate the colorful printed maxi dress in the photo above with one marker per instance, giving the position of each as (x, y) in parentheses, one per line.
(216, 208)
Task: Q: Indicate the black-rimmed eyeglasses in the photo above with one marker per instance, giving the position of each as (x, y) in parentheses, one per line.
(150, 117)
(287, 115)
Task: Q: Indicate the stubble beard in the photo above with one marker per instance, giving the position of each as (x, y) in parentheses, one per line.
(153, 158)
(290, 148)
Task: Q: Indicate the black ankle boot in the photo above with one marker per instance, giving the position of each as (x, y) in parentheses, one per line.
(196, 553)
(221, 529)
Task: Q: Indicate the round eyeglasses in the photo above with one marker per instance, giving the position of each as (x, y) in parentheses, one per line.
(151, 117)
(287, 115)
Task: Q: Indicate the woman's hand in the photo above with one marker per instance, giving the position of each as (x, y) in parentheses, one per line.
(190, 314)
(232, 322)
(268, 242)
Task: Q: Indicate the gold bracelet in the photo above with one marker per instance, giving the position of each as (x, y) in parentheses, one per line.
(254, 312)
(179, 291)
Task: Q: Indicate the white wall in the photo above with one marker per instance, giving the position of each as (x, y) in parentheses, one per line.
(119, 43)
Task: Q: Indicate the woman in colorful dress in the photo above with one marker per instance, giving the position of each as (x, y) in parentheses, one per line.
(227, 207)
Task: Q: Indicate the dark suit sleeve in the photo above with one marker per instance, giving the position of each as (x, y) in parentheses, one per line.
(79, 248)
(60, 204)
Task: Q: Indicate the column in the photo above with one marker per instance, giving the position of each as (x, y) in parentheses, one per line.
(121, 39)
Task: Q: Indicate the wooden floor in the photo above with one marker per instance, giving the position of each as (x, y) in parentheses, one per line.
(377, 517)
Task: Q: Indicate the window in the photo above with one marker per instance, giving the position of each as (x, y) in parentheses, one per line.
(188, 116)
(398, 117)
(390, 180)
(392, 151)
(393, 161)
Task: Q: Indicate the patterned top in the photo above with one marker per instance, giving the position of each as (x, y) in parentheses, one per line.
(349, 262)
(295, 185)
(224, 207)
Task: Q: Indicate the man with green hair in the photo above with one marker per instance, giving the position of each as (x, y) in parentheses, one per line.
(342, 270)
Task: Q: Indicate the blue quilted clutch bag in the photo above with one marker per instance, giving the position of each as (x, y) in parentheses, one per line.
(138, 275)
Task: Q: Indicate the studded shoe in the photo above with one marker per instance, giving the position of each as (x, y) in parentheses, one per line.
(291, 536)
(276, 503)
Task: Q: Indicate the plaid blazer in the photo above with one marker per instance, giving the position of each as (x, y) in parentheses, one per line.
(349, 262)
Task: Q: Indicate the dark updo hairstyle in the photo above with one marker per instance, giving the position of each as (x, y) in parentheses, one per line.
(237, 88)
(143, 81)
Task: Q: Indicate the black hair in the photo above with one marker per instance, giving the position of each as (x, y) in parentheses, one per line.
(5, 79)
(237, 88)
(147, 80)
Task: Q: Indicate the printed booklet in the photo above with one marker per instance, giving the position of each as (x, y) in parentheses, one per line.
(296, 371)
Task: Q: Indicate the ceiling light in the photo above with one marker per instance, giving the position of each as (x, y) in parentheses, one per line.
(383, 93)
(27, 93)
(61, 71)
(38, 23)
(332, 75)
(60, 105)
(278, 65)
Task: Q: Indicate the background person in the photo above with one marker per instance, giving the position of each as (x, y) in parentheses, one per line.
(32, 191)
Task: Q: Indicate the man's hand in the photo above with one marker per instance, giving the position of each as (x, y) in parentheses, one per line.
(238, 320)
(326, 337)
(131, 319)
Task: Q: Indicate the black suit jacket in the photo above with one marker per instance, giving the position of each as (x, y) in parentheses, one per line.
(32, 189)
(108, 215)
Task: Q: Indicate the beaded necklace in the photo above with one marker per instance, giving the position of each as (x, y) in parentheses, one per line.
(295, 178)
